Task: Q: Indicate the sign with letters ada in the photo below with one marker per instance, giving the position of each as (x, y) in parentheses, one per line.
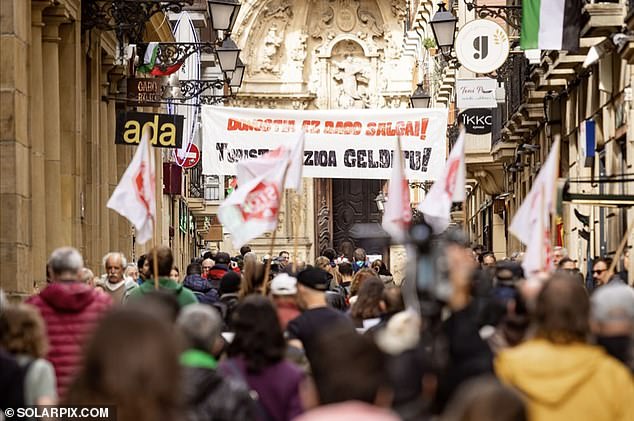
(339, 143)
(166, 130)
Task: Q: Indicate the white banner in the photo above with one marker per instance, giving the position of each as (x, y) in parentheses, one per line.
(339, 143)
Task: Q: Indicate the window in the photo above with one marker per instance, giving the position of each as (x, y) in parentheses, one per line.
(212, 187)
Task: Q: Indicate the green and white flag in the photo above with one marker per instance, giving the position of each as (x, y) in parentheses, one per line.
(551, 24)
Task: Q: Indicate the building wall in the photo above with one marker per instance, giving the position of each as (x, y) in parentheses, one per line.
(57, 125)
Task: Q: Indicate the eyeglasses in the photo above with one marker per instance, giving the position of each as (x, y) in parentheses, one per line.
(599, 272)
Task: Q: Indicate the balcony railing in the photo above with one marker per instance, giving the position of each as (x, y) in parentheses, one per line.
(514, 73)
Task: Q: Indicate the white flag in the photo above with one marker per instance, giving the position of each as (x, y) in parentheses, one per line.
(252, 208)
(135, 197)
(398, 214)
(449, 188)
(535, 212)
(250, 168)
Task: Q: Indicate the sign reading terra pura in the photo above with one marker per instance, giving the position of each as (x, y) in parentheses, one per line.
(166, 131)
(476, 120)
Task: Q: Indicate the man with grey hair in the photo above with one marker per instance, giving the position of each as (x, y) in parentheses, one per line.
(114, 283)
(207, 394)
(558, 254)
(612, 321)
(70, 309)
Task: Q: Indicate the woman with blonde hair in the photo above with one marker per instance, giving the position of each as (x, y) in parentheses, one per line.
(23, 334)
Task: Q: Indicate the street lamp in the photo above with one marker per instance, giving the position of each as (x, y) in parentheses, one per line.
(236, 78)
(443, 25)
(228, 55)
(223, 14)
(420, 98)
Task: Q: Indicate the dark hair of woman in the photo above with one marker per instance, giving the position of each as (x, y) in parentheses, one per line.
(382, 269)
(359, 278)
(369, 300)
(253, 277)
(131, 361)
(258, 335)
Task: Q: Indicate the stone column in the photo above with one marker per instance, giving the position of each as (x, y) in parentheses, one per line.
(53, 17)
(36, 125)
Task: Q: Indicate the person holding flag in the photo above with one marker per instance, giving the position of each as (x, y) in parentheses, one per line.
(398, 213)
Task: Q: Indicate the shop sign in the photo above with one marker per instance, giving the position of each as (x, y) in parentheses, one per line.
(166, 131)
(476, 120)
(587, 142)
(144, 91)
(476, 93)
(482, 46)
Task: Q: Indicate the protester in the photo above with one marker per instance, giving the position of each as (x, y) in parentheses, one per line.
(612, 321)
(357, 281)
(144, 269)
(330, 254)
(337, 301)
(165, 262)
(601, 273)
(222, 266)
(488, 260)
(115, 284)
(175, 274)
(560, 375)
(22, 333)
(316, 317)
(131, 272)
(256, 356)
(348, 385)
(369, 307)
(360, 260)
(253, 276)
(283, 258)
(244, 250)
(284, 296)
(70, 310)
(208, 396)
(207, 264)
(131, 362)
(383, 273)
(345, 269)
(558, 254)
(485, 399)
(346, 251)
(566, 263)
(200, 286)
(230, 293)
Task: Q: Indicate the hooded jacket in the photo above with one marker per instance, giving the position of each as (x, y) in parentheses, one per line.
(202, 289)
(70, 311)
(568, 382)
(184, 295)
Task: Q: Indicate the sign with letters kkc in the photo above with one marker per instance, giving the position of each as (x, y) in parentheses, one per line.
(476, 120)
(166, 130)
(339, 143)
(476, 93)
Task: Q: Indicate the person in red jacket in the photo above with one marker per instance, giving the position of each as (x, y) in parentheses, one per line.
(70, 310)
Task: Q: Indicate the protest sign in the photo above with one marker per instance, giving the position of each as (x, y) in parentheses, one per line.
(339, 143)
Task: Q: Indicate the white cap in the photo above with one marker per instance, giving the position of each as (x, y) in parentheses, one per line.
(284, 284)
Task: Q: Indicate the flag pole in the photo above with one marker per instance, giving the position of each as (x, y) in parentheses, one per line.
(154, 225)
(297, 198)
(619, 250)
(267, 267)
(553, 210)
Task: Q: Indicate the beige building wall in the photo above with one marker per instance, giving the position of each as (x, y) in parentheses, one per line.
(59, 163)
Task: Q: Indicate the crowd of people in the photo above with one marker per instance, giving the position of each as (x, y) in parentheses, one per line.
(332, 339)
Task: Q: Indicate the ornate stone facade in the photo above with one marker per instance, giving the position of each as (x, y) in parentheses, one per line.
(321, 55)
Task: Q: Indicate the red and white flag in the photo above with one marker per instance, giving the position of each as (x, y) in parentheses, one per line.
(398, 213)
(250, 168)
(135, 195)
(449, 188)
(531, 224)
(252, 209)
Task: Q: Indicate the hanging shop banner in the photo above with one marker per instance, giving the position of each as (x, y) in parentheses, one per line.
(482, 46)
(339, 143)
(166, 130)
(476, 120)
(144, 91)
(476, 93)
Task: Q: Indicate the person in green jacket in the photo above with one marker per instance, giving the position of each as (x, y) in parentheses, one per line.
(165, 262)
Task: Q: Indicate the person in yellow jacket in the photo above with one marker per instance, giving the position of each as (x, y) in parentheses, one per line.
(560, 375)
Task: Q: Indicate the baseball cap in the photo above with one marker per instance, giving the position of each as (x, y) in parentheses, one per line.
(613, 303)
(222, 258)
(283, 284)
(314, 278)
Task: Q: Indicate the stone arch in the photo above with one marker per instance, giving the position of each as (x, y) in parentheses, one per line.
(326, 51)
